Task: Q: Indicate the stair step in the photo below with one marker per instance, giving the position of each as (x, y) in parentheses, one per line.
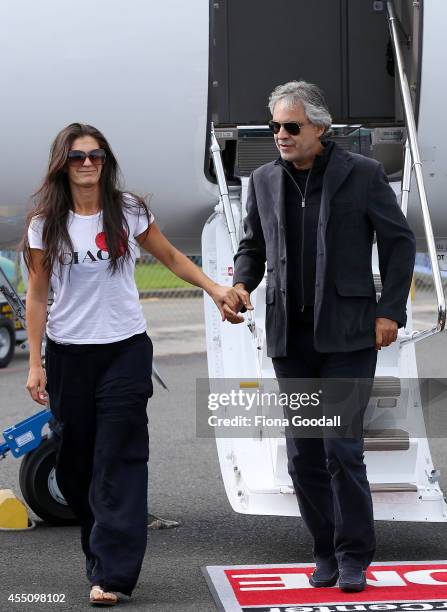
(377, 283)
(392, 487)
(386, 439)
(386, 386)
(376, 487)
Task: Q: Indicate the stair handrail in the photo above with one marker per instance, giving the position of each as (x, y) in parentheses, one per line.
(417, 167)
(228, 212)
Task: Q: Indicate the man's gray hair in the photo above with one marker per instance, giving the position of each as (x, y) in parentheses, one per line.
(309, 95)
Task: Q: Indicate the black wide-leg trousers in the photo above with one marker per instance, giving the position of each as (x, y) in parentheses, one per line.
(328, 473)
(98, 396)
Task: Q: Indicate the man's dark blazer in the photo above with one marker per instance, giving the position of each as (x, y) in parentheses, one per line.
(356, 201)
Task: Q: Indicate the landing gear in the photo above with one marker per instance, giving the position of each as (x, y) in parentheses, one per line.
(37, 478)
(38, 484)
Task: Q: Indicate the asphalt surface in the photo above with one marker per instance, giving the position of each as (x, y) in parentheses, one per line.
(185, 484)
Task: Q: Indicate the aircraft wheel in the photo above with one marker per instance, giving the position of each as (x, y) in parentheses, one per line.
(39, 488)
(37, 478)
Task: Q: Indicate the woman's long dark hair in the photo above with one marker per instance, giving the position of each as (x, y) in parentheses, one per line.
(53, 202)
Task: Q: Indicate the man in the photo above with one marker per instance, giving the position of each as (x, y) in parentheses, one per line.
(312, 214)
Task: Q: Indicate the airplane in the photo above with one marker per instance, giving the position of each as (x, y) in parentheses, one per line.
(180, 90)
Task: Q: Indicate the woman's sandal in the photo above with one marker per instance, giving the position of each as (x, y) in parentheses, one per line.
(102, 601)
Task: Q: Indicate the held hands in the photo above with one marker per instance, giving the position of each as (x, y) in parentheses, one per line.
(244, 299)
(386, 332)
(229, 301)
(36, 385)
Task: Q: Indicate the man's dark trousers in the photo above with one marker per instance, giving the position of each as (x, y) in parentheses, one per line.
(329, 474)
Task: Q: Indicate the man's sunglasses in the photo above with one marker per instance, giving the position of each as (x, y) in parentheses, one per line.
(77, 158)
(292, 127)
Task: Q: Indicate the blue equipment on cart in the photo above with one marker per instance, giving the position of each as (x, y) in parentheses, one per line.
(26, 435)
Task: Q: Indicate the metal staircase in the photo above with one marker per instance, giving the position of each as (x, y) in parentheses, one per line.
(400, 470)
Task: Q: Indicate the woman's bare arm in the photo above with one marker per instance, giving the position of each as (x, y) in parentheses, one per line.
(225, 298)
(36, 315)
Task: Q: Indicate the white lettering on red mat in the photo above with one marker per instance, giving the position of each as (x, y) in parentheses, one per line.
(278, 581)
(274, 582)
(425, 576)
(382, 578)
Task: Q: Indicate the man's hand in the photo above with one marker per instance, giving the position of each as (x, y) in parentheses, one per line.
(228, 302)
(244, 300)
(386, 332)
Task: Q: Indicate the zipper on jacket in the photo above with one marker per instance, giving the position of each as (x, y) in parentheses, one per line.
(303, 210)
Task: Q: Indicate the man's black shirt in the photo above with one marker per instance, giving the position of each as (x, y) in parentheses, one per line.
(301, 233)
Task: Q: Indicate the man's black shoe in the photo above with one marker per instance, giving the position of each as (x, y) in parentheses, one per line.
(352, 579)
(325, 574)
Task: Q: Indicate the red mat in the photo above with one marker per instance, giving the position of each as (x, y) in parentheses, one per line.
(403, 586)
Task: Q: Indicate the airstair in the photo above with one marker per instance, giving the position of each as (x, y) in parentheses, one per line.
(404, 482)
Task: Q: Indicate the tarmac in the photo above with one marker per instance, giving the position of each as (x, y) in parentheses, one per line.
(185, 484)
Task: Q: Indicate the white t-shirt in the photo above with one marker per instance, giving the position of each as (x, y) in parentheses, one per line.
(92, 305)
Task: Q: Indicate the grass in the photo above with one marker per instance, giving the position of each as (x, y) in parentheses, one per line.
(156, 276)
(148, 276)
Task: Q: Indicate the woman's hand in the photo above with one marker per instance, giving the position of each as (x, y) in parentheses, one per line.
(228, 301)
(36, 385)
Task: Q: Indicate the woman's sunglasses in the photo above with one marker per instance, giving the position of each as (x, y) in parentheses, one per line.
(77, 158)
(292, 127)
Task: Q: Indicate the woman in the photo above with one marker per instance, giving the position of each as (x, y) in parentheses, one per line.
(82, 237)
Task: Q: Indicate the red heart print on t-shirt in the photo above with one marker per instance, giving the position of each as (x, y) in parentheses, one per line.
(101, 243)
